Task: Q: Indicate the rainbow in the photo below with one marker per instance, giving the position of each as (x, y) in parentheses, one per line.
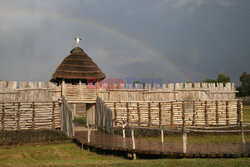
(104, 28)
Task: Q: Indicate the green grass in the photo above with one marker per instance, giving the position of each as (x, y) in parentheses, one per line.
(206, 138)
(246, 114)
(71, 155)
(80, 120)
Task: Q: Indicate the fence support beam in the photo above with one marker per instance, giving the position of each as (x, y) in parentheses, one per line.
(3, 114)
(162, 136)
(89, 133)
(242, 133)
(133, 143)
(184, 138)
(123, 129)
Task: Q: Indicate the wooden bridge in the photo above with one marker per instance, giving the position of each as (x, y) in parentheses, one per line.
(98, 140)
(104, 142)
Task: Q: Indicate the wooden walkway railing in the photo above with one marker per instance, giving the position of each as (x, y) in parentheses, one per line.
(184, 130)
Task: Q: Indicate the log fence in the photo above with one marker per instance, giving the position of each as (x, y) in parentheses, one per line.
(34, 115)
(175, 113)
(103, 117)
(67, 124)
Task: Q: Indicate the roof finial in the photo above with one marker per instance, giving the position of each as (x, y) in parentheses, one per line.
(77, 39)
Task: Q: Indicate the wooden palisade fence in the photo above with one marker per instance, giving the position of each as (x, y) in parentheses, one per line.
(67, 119)
(175, 113)
(104, 116)
(32, 115)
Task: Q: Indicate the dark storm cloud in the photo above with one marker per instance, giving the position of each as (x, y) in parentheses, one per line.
(200, 38)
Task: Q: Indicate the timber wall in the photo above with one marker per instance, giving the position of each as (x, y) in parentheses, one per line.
(173, 92)
(36, 105)
(23, 115)
(29, 105)
(177, 113)
(14, 91)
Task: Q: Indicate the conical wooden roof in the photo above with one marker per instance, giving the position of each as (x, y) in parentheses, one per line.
(78, 65)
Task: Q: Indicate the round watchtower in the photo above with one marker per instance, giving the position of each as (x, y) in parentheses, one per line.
(77, 67)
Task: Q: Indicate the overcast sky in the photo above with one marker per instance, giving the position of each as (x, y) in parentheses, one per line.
(175, 40)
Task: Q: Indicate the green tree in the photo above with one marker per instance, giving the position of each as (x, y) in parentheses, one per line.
(209, 81)
(244, 88)
(220, 79)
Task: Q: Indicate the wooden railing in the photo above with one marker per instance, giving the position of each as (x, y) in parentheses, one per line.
(184, 130)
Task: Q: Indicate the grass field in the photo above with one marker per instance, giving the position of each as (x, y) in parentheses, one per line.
(246, 114)
(71, 155)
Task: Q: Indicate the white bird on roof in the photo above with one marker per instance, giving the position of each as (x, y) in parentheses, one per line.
(77, 39)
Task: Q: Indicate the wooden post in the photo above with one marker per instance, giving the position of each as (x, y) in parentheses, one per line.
(149, 114)
(72, 123)
(123, 129)
(227, 114)
(160, 115)
(205, 113)
(183, 114)
(18, 116)
(80, 89)
(74, 109)
(184, 140)
(127, 113)
(53, 116)
(109, 97)
(89, 133)
(242, 133)
(67, 118)
(138, 111)
(239, 119)
(172, 114)
(3, 110)
(115, 114)
(162, 135)
(217, 113)
(193, 121)
(33, 115)
(133, 138)
(133, 142)
(63, 87)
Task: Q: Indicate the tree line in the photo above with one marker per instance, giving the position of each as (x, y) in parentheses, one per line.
(243, 89)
